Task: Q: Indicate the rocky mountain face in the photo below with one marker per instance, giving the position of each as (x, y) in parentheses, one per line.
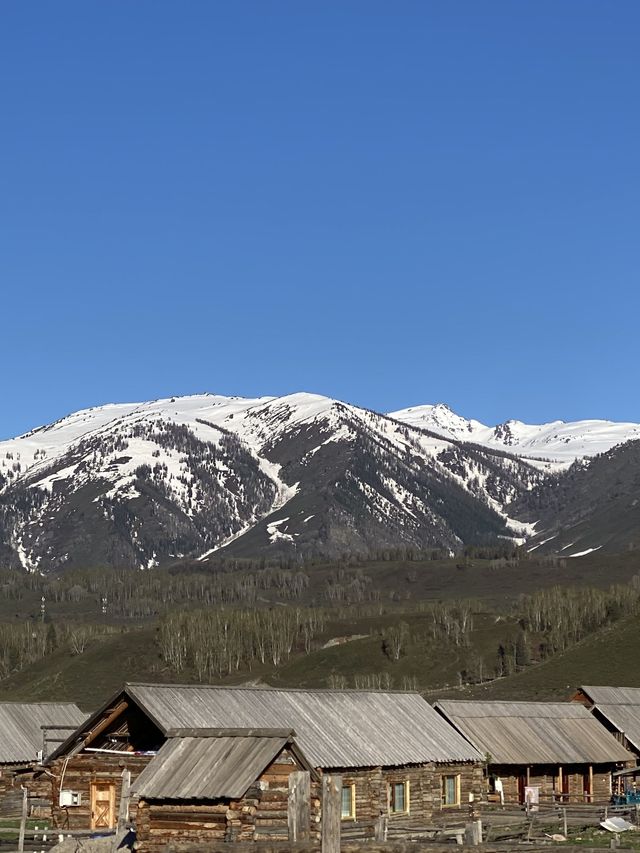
(302, 475)
(594, 506)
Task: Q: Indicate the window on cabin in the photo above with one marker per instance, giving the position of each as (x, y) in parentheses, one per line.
(399, 797)
(451, 790)
(348, 802)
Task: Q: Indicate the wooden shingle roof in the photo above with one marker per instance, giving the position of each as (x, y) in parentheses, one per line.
(334, 728)
(21, 727)
(526, 733)
(620, 706)
(210, 765)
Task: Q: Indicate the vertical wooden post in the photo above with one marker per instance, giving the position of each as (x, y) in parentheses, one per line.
(532, 817)
(473, 833)
(564, 823)
(380, 828)
(331, 813)
(123, 809)
(23, 819)
(299, 805)
(560, 785)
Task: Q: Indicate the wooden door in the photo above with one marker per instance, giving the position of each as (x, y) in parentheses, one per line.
(103, 805)
(522, 784)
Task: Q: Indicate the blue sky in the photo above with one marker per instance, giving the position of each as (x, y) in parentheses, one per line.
(390, 203)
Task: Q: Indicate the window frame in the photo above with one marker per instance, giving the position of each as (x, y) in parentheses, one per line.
(352, 802)
(443, 788)
(406, 784)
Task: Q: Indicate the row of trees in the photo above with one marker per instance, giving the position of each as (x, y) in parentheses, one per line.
(25, 643)
(215, 643)
(565, 615)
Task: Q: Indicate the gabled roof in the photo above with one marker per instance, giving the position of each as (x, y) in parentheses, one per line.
(620, 706)
(208, 766)
(527, 733)
(334, 728)
(21, 727)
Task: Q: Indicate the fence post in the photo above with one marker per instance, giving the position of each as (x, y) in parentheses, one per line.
(564, 823)
(299, 805)
(380, 828)
(473, 833)
(532, 817)
(331, 813)
(23, 819)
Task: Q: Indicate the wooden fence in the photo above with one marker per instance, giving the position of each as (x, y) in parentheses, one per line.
(490, 826)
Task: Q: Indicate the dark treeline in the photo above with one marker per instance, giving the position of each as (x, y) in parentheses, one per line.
(134, 595)
(123, 594)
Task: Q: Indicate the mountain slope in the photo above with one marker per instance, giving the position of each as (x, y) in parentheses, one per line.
(594, 506)
(140, 485)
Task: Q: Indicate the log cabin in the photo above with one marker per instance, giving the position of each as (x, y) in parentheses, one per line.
(396, 756)
(226, 785)
(539, 751)
(28, 732)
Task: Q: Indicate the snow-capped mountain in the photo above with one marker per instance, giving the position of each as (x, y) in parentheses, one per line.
(558, 442)
(305, 475)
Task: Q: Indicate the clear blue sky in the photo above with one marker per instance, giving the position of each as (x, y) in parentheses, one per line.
(386, 202)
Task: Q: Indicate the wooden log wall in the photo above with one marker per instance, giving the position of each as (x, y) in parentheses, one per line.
(425, 792)
(77, 775)
(547, 779)
(11, 781)
(10, 792)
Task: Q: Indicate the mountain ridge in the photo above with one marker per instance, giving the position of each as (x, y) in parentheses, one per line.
(559, 442)
(139, 484)
(299, 476)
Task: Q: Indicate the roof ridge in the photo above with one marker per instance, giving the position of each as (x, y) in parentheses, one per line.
(567, 702)
(45, 702)
(270, 688)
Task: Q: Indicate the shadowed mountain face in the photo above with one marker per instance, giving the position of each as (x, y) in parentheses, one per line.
(145, 484)
(594, 506)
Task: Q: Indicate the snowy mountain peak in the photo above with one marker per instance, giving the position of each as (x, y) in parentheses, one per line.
(438, 418)
(557, 443)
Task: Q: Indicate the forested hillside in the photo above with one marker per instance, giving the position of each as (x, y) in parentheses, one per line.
(473, 624)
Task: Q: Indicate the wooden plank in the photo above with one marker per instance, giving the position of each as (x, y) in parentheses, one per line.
(123, 809)
(299, 805)
(381, 828)
(190, 732)
(23, 819)
(331, 813)
(105, 723)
